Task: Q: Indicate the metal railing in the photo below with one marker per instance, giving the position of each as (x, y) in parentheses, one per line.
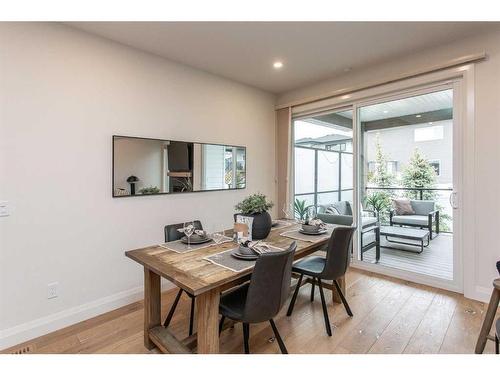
(444, 201)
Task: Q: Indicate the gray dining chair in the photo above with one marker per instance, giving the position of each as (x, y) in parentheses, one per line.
(331, 267)
(172, 234)
(261, 299)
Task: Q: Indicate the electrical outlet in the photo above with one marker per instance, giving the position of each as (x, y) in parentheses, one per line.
(52, 290)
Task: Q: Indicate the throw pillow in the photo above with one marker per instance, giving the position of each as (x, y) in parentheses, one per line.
(332, 211)
(402, 206)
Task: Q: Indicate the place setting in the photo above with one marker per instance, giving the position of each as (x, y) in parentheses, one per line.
(243, 256)
(195, 239)
(311, 230)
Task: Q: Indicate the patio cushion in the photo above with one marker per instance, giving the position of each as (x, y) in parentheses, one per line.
(368, 237)
(423, 207)
(366, 221)
(411, 219)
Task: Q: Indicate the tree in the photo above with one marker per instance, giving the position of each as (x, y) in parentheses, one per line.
(419, 174)
(381, 176)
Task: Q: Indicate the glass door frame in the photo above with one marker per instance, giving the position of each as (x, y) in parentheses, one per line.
(462, 80)
(457, 283)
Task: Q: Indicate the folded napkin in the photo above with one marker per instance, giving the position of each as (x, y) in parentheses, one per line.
(199, 232)
(317, 222)
(259, 247)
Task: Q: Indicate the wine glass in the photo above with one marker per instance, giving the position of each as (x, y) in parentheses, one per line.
(218, 236)
(188, 231)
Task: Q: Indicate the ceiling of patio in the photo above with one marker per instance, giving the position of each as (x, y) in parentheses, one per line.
(310, 51)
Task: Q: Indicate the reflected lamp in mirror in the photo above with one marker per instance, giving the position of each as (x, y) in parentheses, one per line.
(146, 166)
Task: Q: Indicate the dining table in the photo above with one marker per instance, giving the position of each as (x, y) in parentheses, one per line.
(205, 280)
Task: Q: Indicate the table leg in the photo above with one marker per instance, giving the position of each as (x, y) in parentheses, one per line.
(152, 304)
(335, 296)
(377, 244)
(207, 317)
(488, 321)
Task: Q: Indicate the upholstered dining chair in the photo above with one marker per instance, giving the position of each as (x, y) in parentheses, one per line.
(262, 298)
(331, 267)
(172, 234)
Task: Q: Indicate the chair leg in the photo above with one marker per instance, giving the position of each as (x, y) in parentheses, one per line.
(497, 344)
(246, 336)
(325, 311)
(278, 337)
(221, 324)
(191, 317)
(294, 297)
(172, 309)
(342, 297)
(312, 289)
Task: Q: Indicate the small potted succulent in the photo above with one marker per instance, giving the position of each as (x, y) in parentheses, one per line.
(257, 206)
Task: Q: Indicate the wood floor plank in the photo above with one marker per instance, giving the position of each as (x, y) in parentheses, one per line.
(390, 316)
(399, 332)
(429, 335)
(368, 331)
(464, 327)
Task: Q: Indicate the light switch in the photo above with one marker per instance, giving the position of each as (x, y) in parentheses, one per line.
(4, 208)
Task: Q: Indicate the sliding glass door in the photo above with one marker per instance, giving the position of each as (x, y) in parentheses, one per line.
(391, 167)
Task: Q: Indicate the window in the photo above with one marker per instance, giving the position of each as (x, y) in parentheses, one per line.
(432, 133)
(437, 166)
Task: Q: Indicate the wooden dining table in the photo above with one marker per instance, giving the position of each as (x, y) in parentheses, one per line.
(204, 280)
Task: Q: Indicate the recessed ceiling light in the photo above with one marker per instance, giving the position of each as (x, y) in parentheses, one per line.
(278, 65)
(418, 116)
(386, 111)
(430, 123)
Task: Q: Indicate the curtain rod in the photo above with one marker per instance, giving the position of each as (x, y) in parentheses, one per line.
(347, 90)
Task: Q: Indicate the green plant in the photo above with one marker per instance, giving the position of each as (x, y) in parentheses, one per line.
(379, 201)
(300, 209)
(254, 204)
(149, 190)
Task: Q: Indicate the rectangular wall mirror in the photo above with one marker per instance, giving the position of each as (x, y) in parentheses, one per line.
(145, 166)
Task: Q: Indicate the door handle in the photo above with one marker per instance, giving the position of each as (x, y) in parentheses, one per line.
(453, 201)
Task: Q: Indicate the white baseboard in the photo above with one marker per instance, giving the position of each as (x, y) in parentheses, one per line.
(50, 323)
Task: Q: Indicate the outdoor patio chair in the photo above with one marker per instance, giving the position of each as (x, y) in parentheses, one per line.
(340, 213)
(426, 215)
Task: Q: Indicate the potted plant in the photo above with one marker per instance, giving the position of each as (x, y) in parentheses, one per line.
(256, 206)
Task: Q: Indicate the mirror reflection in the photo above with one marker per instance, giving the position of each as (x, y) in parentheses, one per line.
(143, 166)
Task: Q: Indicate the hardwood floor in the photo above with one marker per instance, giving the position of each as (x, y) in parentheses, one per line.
(390, 316)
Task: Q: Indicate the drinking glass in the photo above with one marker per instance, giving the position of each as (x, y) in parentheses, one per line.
(218, 236)
(188, 231)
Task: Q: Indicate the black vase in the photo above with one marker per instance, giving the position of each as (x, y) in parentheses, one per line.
(261, 225)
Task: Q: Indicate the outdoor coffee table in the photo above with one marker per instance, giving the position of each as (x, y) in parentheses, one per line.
(419, 235)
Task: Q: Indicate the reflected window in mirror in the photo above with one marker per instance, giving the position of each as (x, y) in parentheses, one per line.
(143, 166)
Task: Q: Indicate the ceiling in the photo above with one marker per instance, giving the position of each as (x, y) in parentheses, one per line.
(310, 51)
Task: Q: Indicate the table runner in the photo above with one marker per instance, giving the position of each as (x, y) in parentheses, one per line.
(180, 247)
(226, 260)
(282, 224)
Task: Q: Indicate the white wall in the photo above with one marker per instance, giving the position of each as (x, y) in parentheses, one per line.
(486, 137)
(142, 158)
(63, 93)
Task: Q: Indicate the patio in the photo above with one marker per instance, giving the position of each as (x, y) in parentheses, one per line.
(436, 260)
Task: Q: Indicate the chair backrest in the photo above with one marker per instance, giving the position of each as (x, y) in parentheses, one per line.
(172, 234)
(422, 207)
(269, 285)
(498, 266)
(338, 253)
